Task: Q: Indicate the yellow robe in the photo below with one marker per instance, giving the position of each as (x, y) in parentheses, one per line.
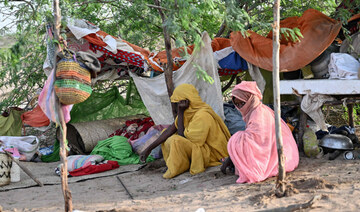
(205, 141)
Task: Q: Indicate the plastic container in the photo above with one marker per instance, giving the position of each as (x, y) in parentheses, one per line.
(311, 147)
(15, 172)
(5, 166)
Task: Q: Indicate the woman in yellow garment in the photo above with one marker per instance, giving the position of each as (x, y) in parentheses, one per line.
(196, 140)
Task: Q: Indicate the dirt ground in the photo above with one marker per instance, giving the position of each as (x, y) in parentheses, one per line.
(335, 183)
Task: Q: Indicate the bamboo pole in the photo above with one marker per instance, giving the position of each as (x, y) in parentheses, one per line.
(64, 179)
(280, 183)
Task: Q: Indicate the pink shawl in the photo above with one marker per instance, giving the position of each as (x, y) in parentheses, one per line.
(254, 151)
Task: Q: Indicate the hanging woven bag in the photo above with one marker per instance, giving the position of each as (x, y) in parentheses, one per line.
(73, 81)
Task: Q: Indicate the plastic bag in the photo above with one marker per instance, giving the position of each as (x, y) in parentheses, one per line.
(27, 145)
(140, 144)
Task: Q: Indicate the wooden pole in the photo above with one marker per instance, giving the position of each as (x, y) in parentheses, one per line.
(351, 114)
(169, 66)
(63, 145)
(280, 183)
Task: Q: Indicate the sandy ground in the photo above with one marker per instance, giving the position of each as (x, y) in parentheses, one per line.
(337, 182)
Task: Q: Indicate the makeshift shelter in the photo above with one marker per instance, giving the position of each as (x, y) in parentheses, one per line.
(120, 59)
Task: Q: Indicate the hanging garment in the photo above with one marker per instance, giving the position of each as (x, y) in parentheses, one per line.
(35, 118)
(47, 100)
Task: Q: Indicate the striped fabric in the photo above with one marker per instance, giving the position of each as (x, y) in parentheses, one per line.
(78, 161)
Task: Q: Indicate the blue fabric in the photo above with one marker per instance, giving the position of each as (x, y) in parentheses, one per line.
(233, 61)
(233, 119)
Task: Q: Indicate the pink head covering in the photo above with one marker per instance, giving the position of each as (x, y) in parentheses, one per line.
(249, 93)
(253, 151)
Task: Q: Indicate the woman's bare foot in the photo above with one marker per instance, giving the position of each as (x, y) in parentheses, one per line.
(227, 164)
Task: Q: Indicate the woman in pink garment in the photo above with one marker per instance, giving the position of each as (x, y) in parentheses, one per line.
(253, 152)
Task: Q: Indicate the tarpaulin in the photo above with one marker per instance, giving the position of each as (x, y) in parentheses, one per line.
(318, 31)
(154, 93)
(102, 106)
(11, 124)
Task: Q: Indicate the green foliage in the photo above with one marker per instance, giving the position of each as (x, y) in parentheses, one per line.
(139, 22)
(356, 114)
(201, 73)
(291, 34)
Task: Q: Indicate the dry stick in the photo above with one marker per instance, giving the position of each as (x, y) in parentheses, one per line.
(295, 206)
(280, 182)
(131, 197)
(26, 170)
(64, 179)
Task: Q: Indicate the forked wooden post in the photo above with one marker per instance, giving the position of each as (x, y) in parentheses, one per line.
(63, 145)
(280, 183)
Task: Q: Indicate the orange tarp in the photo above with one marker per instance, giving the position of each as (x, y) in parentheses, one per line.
(318, 31)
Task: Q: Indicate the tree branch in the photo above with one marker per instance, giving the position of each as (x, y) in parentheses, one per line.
(221, 30)
(156, 7)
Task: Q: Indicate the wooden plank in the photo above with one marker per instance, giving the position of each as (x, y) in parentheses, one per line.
(321, 86)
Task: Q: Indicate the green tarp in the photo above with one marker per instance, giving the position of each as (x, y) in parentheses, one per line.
(102, 106)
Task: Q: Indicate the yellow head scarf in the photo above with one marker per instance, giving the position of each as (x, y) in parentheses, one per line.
(189, 92)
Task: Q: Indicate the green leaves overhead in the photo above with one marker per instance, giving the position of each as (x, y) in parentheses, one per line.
(139, 22)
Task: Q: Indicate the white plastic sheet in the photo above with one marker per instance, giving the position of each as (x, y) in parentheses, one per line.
(154, 93)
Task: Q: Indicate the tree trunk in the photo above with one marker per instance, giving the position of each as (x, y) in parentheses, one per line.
(63, 145)
(169, 65)
(280, 183)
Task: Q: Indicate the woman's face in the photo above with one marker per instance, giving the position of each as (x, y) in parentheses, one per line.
(237, 102)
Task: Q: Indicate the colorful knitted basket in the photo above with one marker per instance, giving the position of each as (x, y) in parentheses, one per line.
(73, 81)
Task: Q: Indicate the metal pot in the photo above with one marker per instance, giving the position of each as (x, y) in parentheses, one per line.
(337, 142)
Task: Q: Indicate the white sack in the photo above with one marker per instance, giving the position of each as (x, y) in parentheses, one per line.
(154, 93)
(311, 105)
(343, 66)
(27, 145)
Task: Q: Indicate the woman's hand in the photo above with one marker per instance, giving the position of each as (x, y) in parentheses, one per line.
(144, 155)
(183, 104)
